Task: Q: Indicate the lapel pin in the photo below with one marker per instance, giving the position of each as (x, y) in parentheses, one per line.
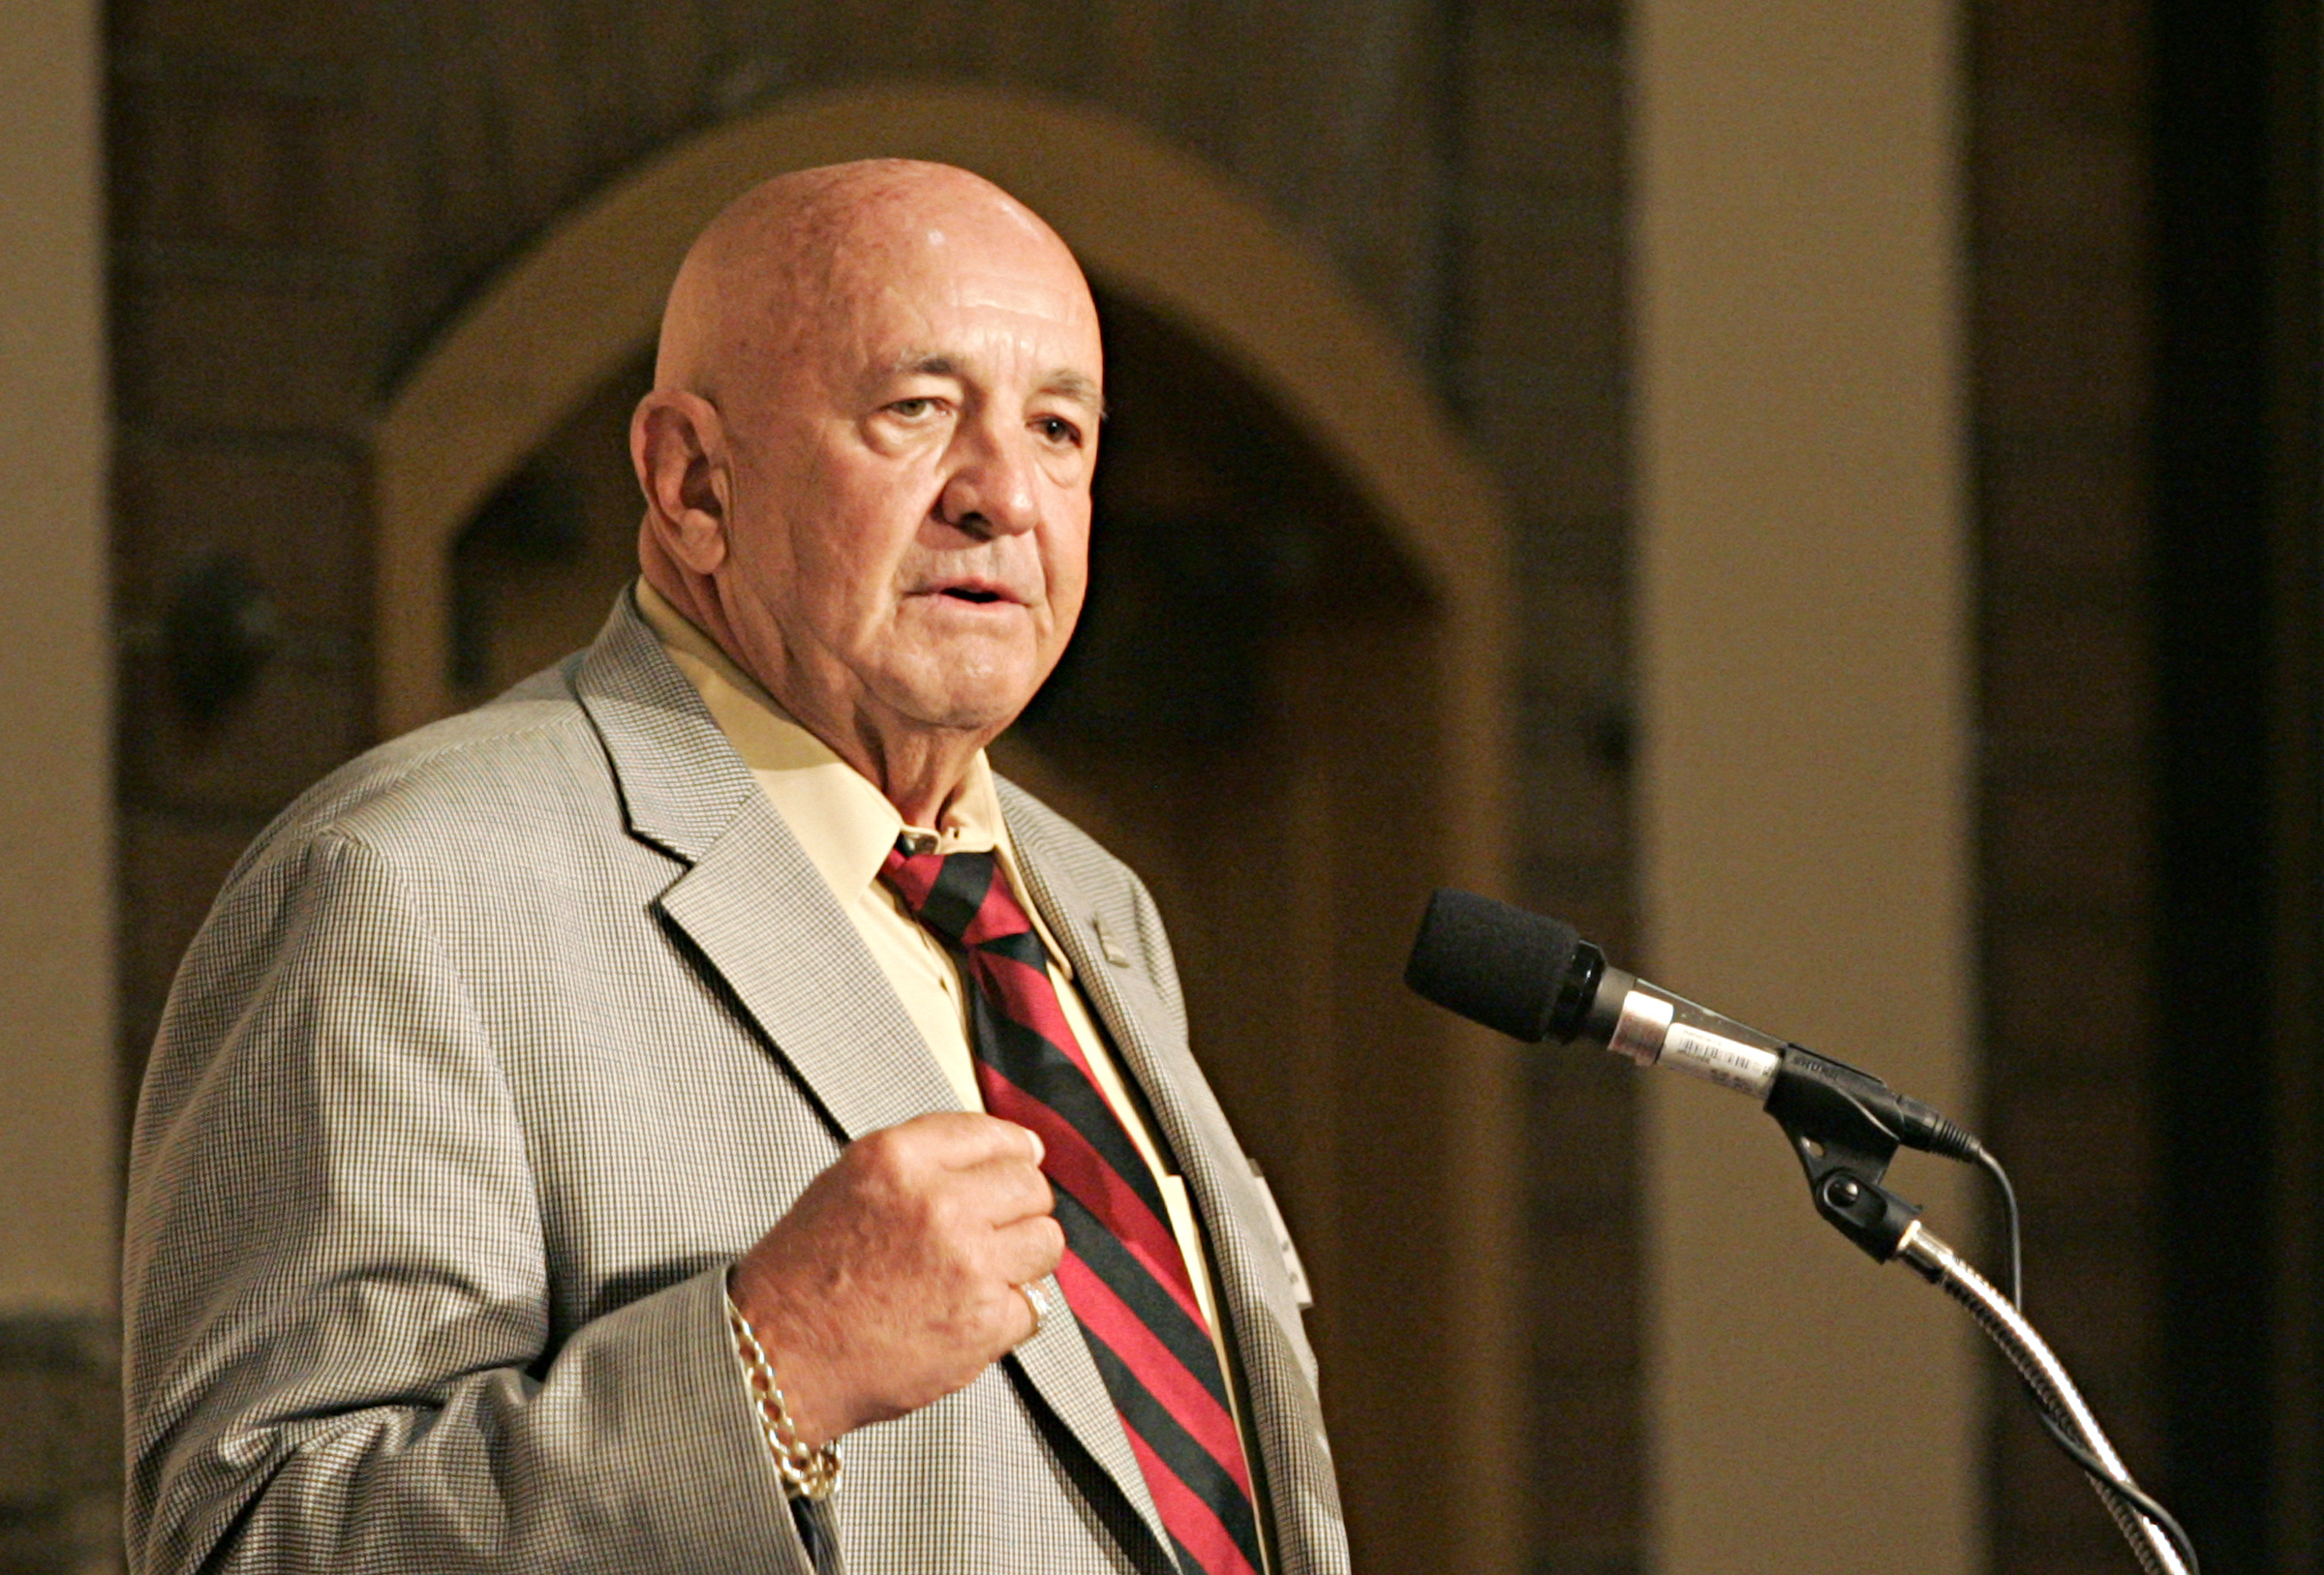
(1106, 942)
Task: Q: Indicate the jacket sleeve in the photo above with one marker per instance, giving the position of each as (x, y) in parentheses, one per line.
(340, 1350)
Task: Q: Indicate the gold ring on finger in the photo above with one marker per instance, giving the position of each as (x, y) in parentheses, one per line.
(1038, 1300)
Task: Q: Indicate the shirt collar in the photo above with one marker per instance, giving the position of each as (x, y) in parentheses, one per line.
(845, 825)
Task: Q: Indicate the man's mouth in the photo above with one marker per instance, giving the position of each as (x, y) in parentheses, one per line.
(975, 593)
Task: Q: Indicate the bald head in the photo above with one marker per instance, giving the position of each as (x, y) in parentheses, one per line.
(867, 458)
(766, 275)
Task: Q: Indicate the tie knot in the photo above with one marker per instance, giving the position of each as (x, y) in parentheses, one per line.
(961, 896)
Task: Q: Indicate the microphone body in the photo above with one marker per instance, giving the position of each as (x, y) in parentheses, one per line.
(1534, 978)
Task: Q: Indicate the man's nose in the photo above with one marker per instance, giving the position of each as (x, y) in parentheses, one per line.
(993, 487)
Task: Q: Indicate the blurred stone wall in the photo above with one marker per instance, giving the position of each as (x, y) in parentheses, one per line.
(60, 1454)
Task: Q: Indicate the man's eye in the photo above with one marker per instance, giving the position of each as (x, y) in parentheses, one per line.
(912, 409)
(1058, 430)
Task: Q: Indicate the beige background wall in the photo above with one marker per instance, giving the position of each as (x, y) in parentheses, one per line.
(1805, 701)
(57, 1078)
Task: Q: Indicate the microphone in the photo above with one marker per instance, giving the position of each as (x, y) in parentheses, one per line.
(1534, 978)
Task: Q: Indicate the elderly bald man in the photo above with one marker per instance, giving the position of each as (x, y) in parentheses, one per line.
(689, 1114)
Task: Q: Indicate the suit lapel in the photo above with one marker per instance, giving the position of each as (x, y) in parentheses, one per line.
(751, 903)
(753, 906)
(1247, 1269)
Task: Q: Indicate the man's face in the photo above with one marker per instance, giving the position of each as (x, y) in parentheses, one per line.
(909, 522)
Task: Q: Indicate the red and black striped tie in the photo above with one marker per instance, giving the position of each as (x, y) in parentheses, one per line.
(1122, 1272)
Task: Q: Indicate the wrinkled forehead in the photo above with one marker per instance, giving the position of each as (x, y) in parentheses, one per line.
(987, 256)
(1034, 273)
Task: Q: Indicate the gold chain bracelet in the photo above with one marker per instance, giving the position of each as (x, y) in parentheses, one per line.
(806, 1473)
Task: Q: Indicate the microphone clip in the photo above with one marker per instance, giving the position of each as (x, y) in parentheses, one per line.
(1829, 1111)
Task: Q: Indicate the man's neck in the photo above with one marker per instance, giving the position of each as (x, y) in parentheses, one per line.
(920, 772)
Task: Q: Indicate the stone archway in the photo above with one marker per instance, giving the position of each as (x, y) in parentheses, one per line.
(1401, 1165)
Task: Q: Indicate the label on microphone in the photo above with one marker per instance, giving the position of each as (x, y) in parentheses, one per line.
(1729, 1063)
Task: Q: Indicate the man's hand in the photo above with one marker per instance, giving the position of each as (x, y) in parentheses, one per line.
(893, 1281)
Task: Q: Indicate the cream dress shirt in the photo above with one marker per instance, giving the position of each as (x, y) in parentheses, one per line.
(846, 826)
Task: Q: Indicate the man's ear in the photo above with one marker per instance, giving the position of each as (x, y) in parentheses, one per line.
(677, 446)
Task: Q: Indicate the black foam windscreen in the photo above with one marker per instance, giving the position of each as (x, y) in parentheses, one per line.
(1492, 963)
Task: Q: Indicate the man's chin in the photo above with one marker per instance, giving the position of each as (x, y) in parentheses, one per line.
(964, 693)
(978, 720)
(962, 708)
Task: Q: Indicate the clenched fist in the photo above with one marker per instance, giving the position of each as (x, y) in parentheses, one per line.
(893, 1281)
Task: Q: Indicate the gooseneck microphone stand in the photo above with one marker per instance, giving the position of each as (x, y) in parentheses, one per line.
(1844, 1149)
(1536, 980)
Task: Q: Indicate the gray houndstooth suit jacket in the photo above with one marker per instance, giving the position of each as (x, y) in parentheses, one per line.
(497, 1048)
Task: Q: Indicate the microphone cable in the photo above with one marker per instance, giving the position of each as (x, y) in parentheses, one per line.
(2119, 1489)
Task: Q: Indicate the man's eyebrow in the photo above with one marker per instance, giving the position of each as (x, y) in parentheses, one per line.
(913, 364)
(1075, 387)
(1065, 382)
